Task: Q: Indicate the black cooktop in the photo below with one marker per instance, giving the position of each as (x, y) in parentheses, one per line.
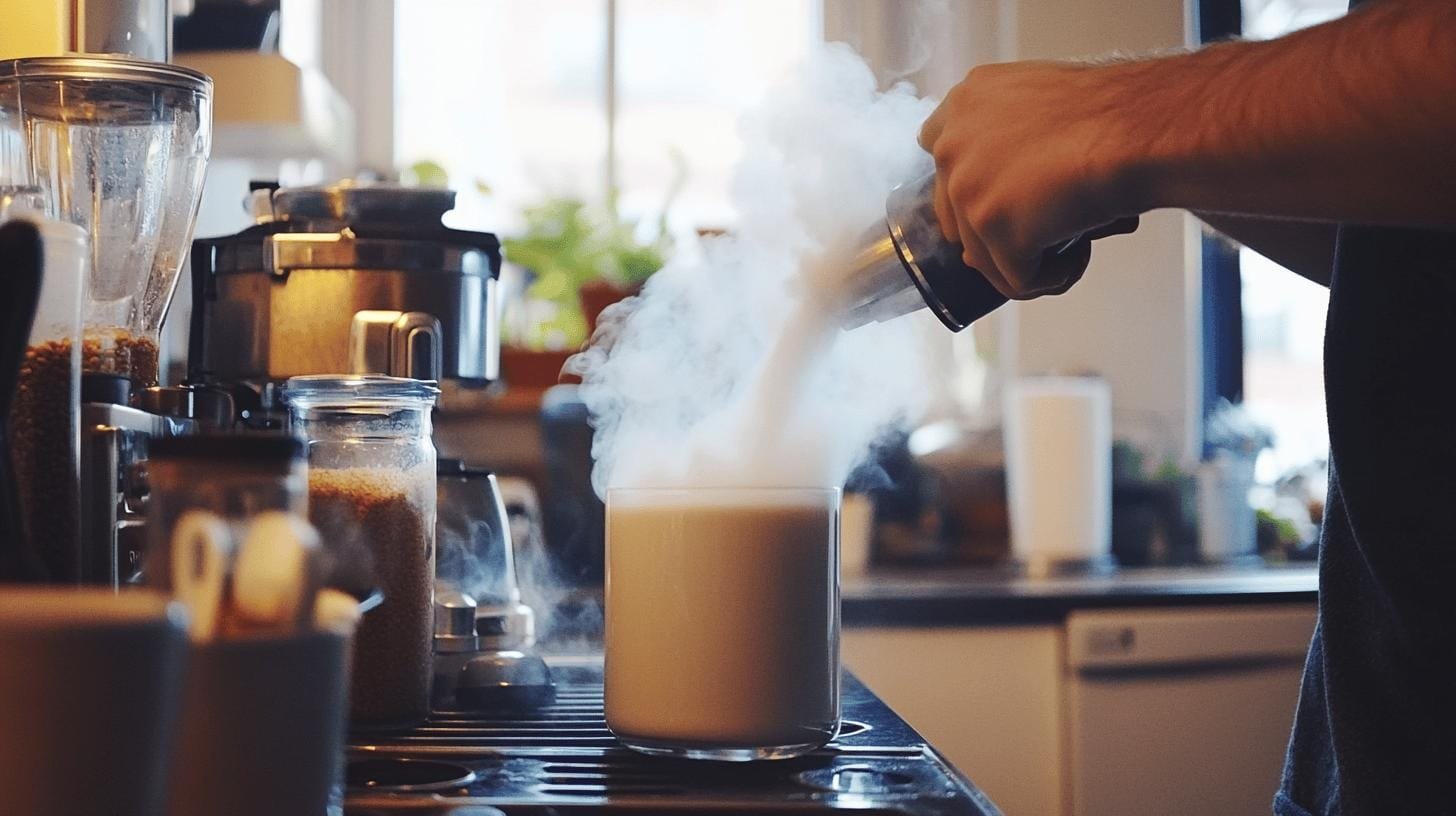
(562, 760)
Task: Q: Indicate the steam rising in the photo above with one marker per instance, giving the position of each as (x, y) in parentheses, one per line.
(731, 371)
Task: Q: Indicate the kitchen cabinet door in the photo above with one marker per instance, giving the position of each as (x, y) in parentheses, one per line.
(988, 698)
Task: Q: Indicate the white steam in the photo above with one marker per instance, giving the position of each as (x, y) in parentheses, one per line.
(732, 371)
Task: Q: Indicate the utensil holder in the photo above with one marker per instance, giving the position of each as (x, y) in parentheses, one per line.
(262, 726)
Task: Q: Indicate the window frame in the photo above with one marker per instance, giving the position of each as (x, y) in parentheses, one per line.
(1221, 274)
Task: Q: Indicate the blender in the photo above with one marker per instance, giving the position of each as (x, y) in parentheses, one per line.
(117, 147)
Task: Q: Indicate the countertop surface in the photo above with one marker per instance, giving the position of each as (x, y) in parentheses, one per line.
(996, 596)
(562, 759)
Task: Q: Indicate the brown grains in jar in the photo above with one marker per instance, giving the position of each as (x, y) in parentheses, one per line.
(118, 351)
(392, 661)
(43, 452)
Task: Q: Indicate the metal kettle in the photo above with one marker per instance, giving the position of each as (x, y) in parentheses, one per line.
(905, 264)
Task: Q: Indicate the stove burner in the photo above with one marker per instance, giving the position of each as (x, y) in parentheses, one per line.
(861, 779)
(406, 775)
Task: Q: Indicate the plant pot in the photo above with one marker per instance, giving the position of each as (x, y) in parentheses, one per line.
(597, 295)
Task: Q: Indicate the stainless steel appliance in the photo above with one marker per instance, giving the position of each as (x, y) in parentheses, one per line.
(906, 264)
(118, 147)
(361, 279)
(136, 28)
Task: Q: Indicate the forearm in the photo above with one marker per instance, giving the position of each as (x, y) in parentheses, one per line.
(1305, 247)
(1353, 121)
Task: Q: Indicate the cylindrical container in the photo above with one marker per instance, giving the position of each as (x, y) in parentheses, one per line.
(905, 264)
(45, 416)
(119, 147)
(233, 476)
(722, 621)
(262, 726)
(371, 482)
(1227, 523)
(89, 694)
(1059, 472)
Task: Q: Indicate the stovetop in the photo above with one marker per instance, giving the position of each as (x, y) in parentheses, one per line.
(562, 760)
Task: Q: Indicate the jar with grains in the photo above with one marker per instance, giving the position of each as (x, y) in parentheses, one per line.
(45, 419)
(371, 486)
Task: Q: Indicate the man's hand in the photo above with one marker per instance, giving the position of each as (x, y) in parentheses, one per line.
(1350, 121)
(1030, 156)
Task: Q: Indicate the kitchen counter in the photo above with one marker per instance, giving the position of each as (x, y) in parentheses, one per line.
(563, 760)
(995, 596)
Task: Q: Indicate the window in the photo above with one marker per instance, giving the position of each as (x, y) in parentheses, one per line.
(520, 101)
(1284, 314)
(1263, 324)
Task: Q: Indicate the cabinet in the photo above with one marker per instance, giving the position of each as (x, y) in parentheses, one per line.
(1110, 711)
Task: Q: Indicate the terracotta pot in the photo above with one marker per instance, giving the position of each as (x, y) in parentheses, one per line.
(598, 295)
(530, 368)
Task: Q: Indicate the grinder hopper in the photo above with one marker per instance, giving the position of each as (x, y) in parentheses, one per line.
(118, 147)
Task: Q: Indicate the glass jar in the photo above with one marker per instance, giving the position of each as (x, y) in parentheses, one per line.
(722, 621)
(45, 418)
(233, 476)
(119, 147)
(371, 485)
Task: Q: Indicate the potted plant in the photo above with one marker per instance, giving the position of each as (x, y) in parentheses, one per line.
(581, 259)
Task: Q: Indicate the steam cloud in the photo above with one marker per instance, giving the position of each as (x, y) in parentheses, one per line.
(731, 371)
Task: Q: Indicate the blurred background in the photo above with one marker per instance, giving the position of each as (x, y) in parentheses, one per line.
(597, 138)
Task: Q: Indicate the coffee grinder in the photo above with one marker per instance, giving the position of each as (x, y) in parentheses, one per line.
(354, 278)
(118, 147)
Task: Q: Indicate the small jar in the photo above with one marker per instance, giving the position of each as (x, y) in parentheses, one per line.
(233, 476)
(371, 483)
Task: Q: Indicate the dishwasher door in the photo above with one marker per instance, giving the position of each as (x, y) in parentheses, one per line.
(1181, 710)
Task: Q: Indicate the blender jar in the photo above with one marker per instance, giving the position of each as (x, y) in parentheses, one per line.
(371, 484)
(118, 147)
(45, 415)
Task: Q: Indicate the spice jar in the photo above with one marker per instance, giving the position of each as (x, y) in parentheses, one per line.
(45, 415)
(371, 480)
(233, 476)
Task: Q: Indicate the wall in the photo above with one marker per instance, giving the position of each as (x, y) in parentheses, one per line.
(1135, 317)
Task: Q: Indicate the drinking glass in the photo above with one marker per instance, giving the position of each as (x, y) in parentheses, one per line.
(722, 621)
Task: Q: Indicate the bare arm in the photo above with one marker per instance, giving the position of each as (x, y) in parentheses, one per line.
(1352, 121)
(1305, 247)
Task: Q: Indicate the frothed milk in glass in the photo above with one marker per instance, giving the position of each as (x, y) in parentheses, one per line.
(722, 620)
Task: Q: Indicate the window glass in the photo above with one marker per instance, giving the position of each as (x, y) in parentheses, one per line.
(1283, 313)
(513, 96)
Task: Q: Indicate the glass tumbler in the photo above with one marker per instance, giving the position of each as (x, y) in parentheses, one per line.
(371, 490)
(722, 621)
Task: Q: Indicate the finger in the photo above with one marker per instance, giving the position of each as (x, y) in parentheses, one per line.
(979, 258)
(1120, 226)
(944, 211)
(930, 131)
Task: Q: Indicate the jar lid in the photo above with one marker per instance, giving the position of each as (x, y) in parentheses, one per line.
(316, 390)
(240, 448)
(110, 68)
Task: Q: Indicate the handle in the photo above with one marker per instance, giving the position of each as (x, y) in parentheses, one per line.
(200, 544)
(21, 261)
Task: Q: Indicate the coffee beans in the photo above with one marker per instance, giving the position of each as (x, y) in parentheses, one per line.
(118, 351)
(43, 450)
(393, 513)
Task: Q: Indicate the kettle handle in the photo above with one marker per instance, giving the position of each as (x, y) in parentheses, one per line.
(21, 261)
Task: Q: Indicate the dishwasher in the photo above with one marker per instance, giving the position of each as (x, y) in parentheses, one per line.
(1181, 710)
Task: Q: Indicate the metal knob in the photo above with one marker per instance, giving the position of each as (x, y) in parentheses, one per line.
(454, 621)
